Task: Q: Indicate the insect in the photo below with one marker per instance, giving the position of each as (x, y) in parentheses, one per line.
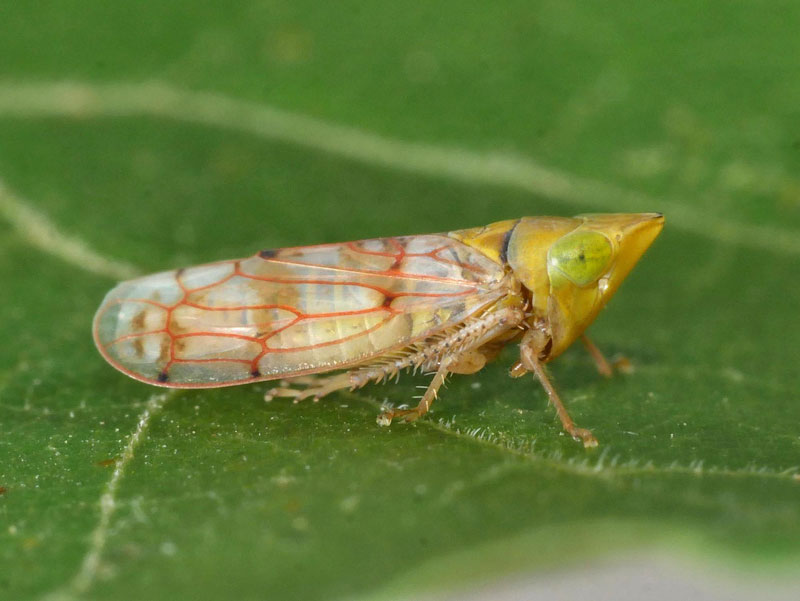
(442, 303)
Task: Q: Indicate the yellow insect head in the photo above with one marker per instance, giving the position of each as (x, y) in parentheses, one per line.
(572, 266)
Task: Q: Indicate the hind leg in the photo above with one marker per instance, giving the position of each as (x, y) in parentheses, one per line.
(410, 415)
(476, 350)
(314, 387)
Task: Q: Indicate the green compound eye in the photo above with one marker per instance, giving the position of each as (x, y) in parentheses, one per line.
(582, 257)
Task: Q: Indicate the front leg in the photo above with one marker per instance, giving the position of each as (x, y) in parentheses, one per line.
(604, 366)
(530, 348)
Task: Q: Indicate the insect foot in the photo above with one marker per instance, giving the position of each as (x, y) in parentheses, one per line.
(295, 394)
(405, 415)
(309, 387)
(585, 436)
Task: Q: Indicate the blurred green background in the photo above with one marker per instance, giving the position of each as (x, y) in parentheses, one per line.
(155, 135)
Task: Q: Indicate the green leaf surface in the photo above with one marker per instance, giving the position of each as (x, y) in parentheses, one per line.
(154, 136)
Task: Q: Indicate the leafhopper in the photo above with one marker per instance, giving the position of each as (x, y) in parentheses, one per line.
(366, 310)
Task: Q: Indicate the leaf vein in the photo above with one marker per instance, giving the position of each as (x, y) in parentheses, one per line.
(90, 564)
(82, 100)
(604, 466)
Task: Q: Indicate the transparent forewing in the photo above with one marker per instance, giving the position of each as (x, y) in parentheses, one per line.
(292, 311)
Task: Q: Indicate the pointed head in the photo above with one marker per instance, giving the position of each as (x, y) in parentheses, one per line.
(572, 266)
